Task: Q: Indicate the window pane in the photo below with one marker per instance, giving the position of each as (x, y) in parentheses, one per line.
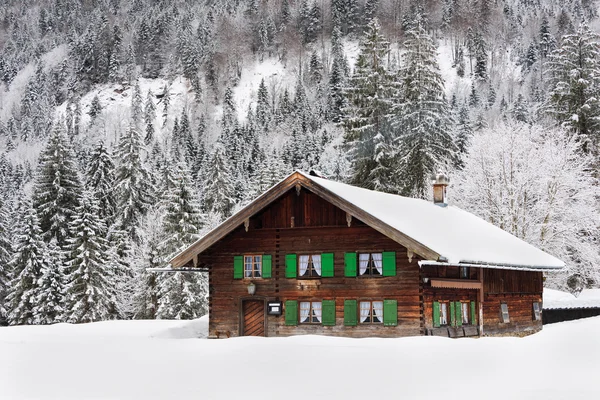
(378, 311)
(365, 311)
(363, 263)
(465, 313)
(304, 311)
(316, 259)
(378, 263)
(443, 314)
(303, 266)
(248, 266)
(316, 308)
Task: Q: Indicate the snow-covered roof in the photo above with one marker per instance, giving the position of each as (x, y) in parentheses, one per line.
(438, 234)
(455, 234)
(588, 298)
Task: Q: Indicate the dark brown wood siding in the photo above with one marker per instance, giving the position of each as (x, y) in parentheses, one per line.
(226, 292)
(519, 290)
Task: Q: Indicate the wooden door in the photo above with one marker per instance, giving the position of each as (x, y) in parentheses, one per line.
(254, 317)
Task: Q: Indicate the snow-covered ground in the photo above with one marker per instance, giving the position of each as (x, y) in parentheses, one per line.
(165, 360)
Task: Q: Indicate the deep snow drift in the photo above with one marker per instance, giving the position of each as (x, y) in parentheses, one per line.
(164, 360)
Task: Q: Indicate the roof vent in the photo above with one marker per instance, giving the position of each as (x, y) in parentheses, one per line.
(439, 189)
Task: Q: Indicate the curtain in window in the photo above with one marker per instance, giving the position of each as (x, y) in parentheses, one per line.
(317, 310)
(465, 312)
(443, 314)
(363, 263)
(248, 267)
(365, 310)
(303, 265)
(304, 311)
(378, 260)
(316, 259)
(378, 311)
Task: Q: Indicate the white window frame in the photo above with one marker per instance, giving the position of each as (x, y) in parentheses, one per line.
(465, 308)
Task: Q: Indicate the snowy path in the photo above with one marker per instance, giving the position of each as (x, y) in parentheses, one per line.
(163, 360)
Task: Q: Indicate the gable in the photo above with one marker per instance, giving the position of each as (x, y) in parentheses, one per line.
(301, 209)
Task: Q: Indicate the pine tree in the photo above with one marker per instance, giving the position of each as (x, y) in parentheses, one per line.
(137, 112)
(574, 79)
(337, 100)
(481, 56)
(133, 184)
(181, 296)
(49, 307)
(463, 136)
(422, 116)
(91, 288)
(218, 194)
(6, 252)
(95, 109)
(57, 187)
(100, 181)
(369, 99)
(149, 116)
(27, 264)
(263, 109)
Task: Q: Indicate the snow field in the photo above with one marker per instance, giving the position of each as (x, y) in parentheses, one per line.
(160, 360)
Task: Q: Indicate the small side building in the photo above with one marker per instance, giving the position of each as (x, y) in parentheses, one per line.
(314, 256)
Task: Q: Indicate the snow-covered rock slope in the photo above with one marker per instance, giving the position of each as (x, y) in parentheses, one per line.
(163, 360)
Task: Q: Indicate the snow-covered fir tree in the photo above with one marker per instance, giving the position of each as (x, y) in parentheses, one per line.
(100, 181)
(91, 277)
(573, 71)
(218, 195)
(6, 252)
(133, 184)
(369, 96)
(29, 261)
(57, 188)
(421, 117)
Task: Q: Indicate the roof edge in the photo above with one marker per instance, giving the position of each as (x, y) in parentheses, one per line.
(492, 266)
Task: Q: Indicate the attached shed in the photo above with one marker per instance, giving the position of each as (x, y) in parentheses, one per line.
(314, 256)
(562, 306)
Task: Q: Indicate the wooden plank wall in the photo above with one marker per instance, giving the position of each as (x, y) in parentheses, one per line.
(226, 293)
(519, 290)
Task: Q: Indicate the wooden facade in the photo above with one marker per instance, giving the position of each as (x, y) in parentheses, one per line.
(406, 299)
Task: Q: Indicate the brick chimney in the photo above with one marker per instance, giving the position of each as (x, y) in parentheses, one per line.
(439, 189)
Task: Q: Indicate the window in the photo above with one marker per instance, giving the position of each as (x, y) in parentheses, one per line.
(464, 307)
(537, 315)
(504, 313)
(252, 266)
(464, 272)
(309, 266)
(371, 312)
(443, 313)
(310, 312)
(370, 264)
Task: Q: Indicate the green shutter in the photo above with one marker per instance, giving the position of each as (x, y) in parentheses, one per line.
(473, 314)
(238, 267)
(328, 312)
(327, 265)
(290, 266)
(452, 315)
(350, 264)
(390, 312)
(436, 314)
(458, 309)
(350, 313)
(389, 263)
(266, 266)
(291, 312)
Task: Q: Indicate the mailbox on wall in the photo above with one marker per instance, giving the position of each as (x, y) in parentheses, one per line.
(274, 307)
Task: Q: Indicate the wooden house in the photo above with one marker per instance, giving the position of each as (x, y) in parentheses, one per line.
(314, 256)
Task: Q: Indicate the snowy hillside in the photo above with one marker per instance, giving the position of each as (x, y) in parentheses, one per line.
(162, 360)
